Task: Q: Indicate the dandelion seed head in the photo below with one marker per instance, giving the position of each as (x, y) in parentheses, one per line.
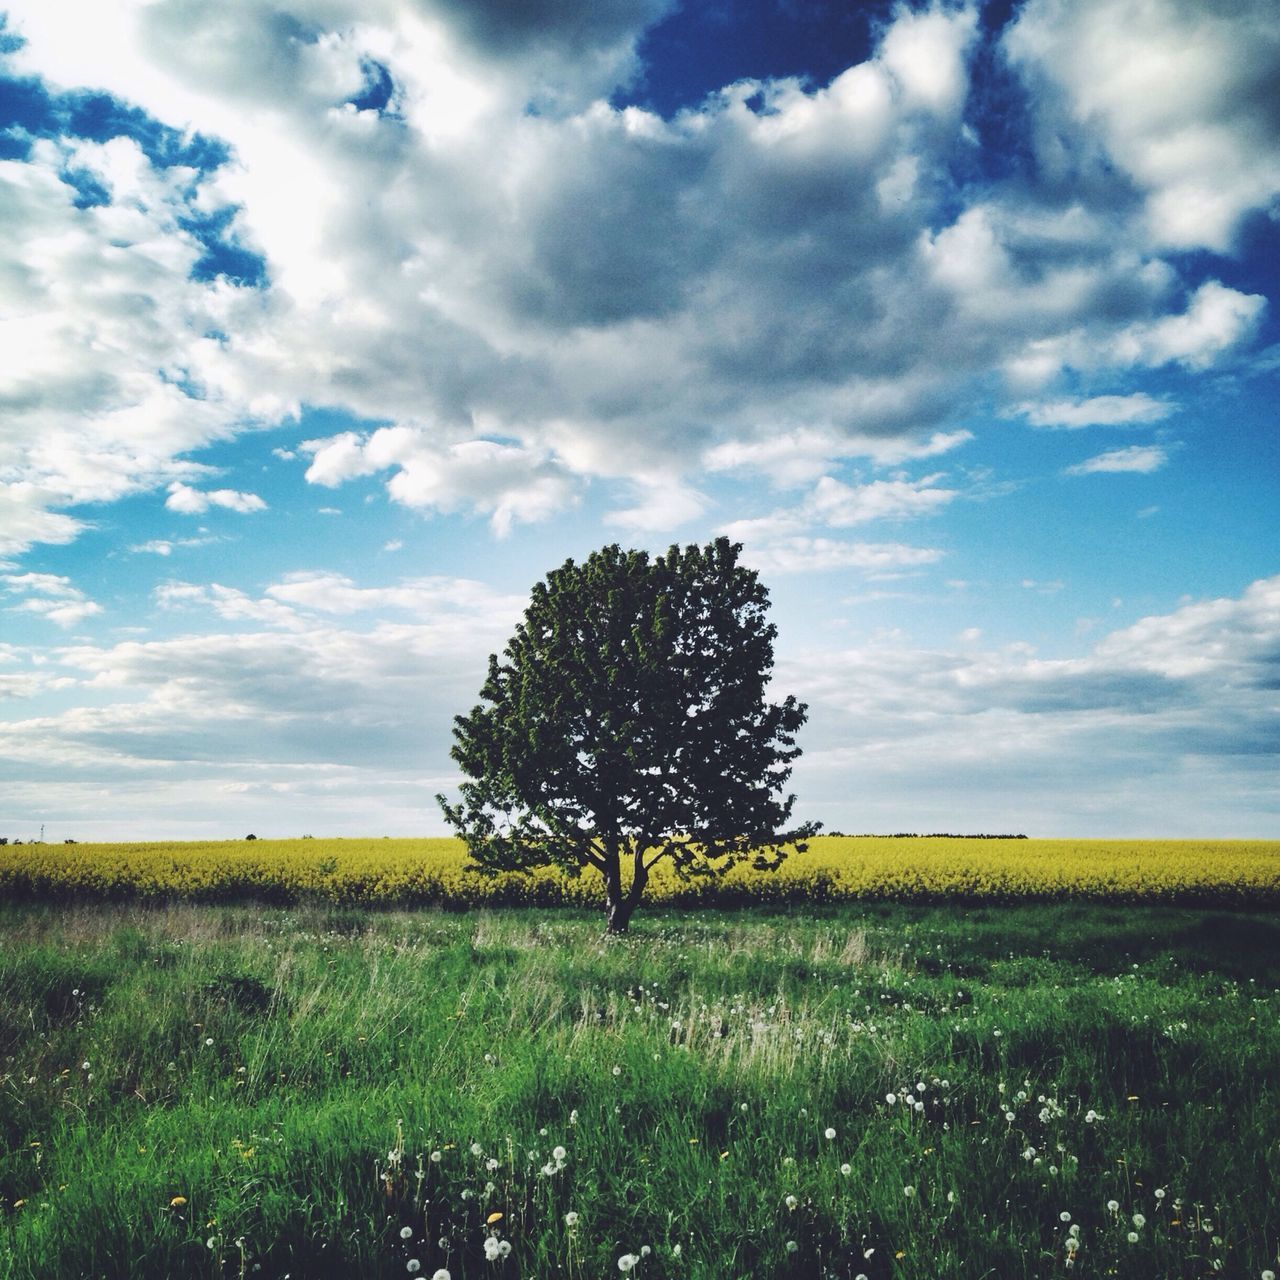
(1113, 1206)
(1139, 1220)
(571, 1219)
(909, 1192)
(406, 1233)
(829, 1134)
(1132, 1237)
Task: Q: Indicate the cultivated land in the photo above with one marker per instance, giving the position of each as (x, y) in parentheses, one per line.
(1235, 873)
(855, 1089)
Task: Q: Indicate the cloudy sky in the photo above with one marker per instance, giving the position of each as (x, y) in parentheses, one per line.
(328, 327)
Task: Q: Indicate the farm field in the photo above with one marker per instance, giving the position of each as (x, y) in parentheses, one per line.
(877, 1089)
(834, 868)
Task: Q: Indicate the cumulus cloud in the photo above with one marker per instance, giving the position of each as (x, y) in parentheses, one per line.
(1142, 459)
(1055, 746)
(1180, 96)
(195, 502)
(1098, 411)
(49, 596)
(550, 289)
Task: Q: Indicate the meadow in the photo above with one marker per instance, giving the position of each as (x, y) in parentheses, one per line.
(876, 1089)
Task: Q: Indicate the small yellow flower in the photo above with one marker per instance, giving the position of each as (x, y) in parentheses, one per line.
(693, 1142)
(178, 1202)
(494, 1217)
(17, 1204)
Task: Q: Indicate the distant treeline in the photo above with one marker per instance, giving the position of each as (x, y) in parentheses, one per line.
(923, 835)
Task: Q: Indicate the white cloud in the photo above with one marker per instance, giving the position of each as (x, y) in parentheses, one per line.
(507, 482)
(540, 297)
(49, 596)
(1126, 739)
(1180, 95)
(1142, 459)
(798, 553)
(1098, 411)
(840, 505)
(195, 502)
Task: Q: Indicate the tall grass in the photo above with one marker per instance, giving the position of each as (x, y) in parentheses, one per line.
(225, 1091)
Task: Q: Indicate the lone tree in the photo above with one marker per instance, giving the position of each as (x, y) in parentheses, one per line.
(626, 722)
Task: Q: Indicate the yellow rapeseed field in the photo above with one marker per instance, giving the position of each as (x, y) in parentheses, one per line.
(835, 868)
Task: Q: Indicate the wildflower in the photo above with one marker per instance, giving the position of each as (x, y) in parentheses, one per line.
(1113, 1206)
(1160, 1193)
(491, 1249)
(208, 1041)
(792, 1247)
(571, 1219)
(1132, 1237)
(573, 1116)
(436, 1157)
(1139, 1220)
(491, 1164)
(829, 1134)
(504, 1248)
(1009, 1116)
(412, 1266)
(617, 1071)
(178, 1202)
(1064, 1216)
(919, 1105)
(477, 1149)
(891, 1098)
(791, 1202)
(84, 1066)
(558, 1153)
(1090, 1116)
(846, 1169)
(645, 1251)
(951, 1197)
(909, 1192)
(742, 1106)
(1268, 1275)
(406, 1233)
(442, 1274)
(627, 1261)
(493, 1217)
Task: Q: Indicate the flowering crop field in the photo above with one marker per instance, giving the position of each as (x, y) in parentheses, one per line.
(434, 872)
(881, 1090)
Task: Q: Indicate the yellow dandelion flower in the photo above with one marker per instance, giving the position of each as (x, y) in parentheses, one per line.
(494, 1217)
(178, 1202)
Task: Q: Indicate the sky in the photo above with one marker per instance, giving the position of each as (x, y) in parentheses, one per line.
(329, 327)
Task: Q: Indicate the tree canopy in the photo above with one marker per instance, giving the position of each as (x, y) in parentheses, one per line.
(626, 722)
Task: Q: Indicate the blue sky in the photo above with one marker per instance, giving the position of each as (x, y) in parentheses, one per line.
(330, 327)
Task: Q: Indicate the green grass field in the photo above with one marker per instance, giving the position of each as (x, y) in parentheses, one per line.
(888, 1090)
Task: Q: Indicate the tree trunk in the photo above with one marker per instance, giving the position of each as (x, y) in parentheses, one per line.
(619, 906)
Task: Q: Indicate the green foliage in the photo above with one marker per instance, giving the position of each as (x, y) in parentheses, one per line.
(627, 719)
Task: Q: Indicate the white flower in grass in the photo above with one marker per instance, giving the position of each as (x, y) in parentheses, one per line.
(1268, 1275)
(846, 1169)
(1139, 1220)
(1160, 1193)
(909, 1192)
(891, 1098)
(617, 1071)
(491, 1164)
(1090, 1116)
(645, 1251)
(1132, 1237)
(413, 1266)
(406, 1233)
(477, 1149)
(571, 1219)
(573, 1116)
(919, 1106)
(1113, 1206)
(436, 1157)
(442, 1274)
(791, 1202)
(558, 1153)
(628, 1261)
(1064, 1216)
(829, 1134)
(504, 1248)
